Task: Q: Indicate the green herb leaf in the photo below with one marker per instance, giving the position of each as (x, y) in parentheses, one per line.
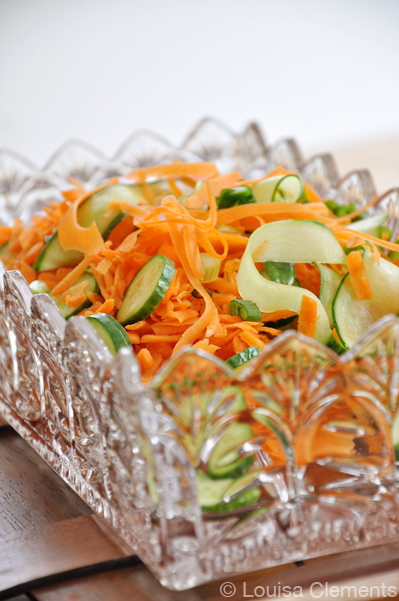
(231, 197)
(282, 273)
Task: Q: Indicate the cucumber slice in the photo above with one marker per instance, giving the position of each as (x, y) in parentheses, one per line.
(95, 207)
(212, 492)
(225, 460)
(247, 310)
(283, 241)
(54, 256)
(352, 317)
(395, 435)
(335, 346)
(237, 393)
(5, 253)
(67, 311)
(110, 331)
(147, 290)
(286, 188)
(370, 226)
(92, 209)
(39, 287)
(244, 356)
(330, 281)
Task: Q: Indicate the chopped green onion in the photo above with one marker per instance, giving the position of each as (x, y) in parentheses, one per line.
(340, 210)
(211, 267)
(196, 294)
(231, 197)
(247, 310)
(282, 273)
(240, 358)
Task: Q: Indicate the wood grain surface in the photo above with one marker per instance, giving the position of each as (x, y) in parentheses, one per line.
(51, 543)
(45, 528)
(139, 585)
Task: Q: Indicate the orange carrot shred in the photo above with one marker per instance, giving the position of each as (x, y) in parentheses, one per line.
(359, 276)
(307, 321)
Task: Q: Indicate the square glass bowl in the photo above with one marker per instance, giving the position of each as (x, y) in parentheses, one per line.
(315, 459)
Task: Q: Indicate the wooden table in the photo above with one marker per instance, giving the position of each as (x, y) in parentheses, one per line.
(53, 548)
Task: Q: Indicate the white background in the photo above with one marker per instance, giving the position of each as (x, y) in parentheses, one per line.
(324, 71)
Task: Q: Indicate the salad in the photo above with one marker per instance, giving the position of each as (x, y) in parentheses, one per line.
(180, 254)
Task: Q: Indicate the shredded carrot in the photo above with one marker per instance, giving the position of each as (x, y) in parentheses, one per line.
(359, 276)
(71, 277)
(276, 211)
(107, 307)
(307, 321)
(191, 312)
(145, 359)
(200, 171)
(76, 300)
(5, 234)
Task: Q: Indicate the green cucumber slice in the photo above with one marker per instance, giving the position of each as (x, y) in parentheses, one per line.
(283, 241)
(67, 311)
(147, 290)
(237, 393)
(330, 282)
(395, 435)
(243, 357)
(247, 310)
(353, 317)
(39, 287)
(5, 253)
(212, 492)
(94, 208)
(286, 188)
(225, 460)
(54, 256)
(335, 346)
(370, 226)
(110, 331)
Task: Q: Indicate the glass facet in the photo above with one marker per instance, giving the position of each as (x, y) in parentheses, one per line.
(315, 453)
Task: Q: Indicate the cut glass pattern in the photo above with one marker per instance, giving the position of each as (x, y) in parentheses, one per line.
(317, 448)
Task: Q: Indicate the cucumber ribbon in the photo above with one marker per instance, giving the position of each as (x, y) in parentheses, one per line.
(292, 241)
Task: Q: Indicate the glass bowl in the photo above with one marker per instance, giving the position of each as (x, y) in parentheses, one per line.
(319, 471)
